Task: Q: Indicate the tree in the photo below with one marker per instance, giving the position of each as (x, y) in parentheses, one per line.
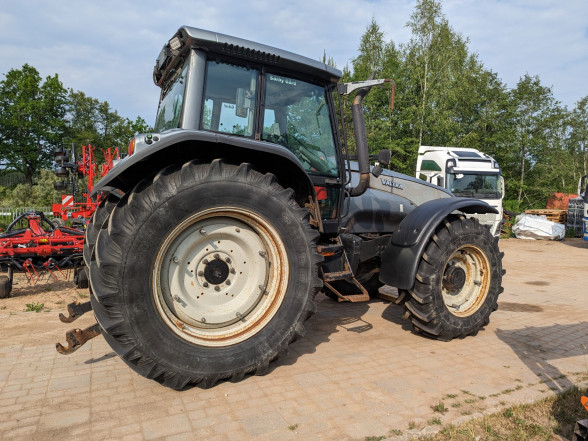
(93, 122)
(578, 145)
(534, 118)
(31, 120)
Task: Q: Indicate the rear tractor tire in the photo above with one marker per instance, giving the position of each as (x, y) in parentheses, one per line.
(205, 272)
(458, 281)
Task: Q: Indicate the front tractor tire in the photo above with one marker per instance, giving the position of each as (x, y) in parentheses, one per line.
(458, 281)
(203, 273)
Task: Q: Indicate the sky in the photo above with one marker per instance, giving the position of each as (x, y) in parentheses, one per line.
(107, 49)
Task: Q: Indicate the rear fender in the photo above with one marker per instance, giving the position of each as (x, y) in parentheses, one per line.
(158, 151)
(401, 257)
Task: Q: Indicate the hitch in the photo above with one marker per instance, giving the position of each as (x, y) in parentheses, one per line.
(75, 311)
(76, 338)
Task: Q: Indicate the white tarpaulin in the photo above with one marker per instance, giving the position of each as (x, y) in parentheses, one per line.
(530, 226)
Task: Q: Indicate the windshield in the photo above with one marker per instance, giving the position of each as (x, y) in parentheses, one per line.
(170, 106)
(296, 115)
(474, 185)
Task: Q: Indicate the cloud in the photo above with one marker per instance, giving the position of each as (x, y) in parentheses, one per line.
(108, 49)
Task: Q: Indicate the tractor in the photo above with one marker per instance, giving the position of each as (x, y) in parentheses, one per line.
(216, 232)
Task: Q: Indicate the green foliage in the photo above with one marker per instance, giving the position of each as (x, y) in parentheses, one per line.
(445, 96)
(36, 307)
(37, 116)
(93, 122)
(41, 193)
(32, 120)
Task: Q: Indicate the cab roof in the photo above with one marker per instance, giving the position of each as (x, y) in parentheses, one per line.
(193, 38)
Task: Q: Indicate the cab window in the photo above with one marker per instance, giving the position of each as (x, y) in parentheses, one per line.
(296, 116)
(229, 99)
(170, 106)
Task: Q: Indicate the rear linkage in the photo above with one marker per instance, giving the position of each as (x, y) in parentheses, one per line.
(77, 337)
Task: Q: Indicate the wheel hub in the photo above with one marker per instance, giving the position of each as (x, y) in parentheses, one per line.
(454, 278)
(216, 272)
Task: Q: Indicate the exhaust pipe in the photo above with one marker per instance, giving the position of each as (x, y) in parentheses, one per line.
(363, 157)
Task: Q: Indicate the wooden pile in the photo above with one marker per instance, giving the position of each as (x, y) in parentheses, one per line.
(558, 216)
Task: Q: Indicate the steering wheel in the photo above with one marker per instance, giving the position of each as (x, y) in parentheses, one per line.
(308, 155)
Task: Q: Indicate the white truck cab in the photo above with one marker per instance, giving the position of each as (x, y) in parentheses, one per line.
(465, 172)
(583, 195)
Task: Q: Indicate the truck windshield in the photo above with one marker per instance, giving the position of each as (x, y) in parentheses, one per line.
(474, 185)
(296, 115)
(170, 105)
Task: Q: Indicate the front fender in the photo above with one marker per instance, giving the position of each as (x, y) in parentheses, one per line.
(401, 257)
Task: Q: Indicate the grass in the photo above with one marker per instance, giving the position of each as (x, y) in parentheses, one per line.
(541, 420)
(36, 307)
(440, 408)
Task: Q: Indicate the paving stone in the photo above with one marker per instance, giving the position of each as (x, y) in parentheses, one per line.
(166, 426)
(359, 372)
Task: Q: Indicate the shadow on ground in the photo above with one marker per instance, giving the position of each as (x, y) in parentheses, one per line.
(576, 243)
(536, 348)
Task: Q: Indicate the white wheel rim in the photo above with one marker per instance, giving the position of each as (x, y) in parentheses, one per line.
(465, 300)
(220, 277)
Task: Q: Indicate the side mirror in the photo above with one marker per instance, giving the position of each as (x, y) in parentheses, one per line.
(384, 157)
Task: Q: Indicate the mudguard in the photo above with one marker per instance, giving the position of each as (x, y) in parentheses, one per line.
(153, 152)
(401, 257)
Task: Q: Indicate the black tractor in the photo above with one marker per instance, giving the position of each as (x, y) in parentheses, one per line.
(216, 232)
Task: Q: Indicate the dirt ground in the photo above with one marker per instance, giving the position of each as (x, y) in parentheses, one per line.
(53, 294)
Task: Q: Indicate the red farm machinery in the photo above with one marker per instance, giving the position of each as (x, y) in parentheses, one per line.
(34, 244)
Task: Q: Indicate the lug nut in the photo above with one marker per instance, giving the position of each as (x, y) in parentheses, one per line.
(217, 288)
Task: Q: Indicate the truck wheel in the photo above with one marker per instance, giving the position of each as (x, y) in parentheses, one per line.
(5, 287)
(458, 281)
(205, 272)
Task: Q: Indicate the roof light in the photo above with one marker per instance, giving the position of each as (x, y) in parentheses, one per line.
(175, 44)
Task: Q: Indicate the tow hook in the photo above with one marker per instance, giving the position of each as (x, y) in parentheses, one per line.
(76, 338)
(75, 311)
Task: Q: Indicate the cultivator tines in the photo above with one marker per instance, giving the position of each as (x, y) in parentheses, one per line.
(34, 245)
